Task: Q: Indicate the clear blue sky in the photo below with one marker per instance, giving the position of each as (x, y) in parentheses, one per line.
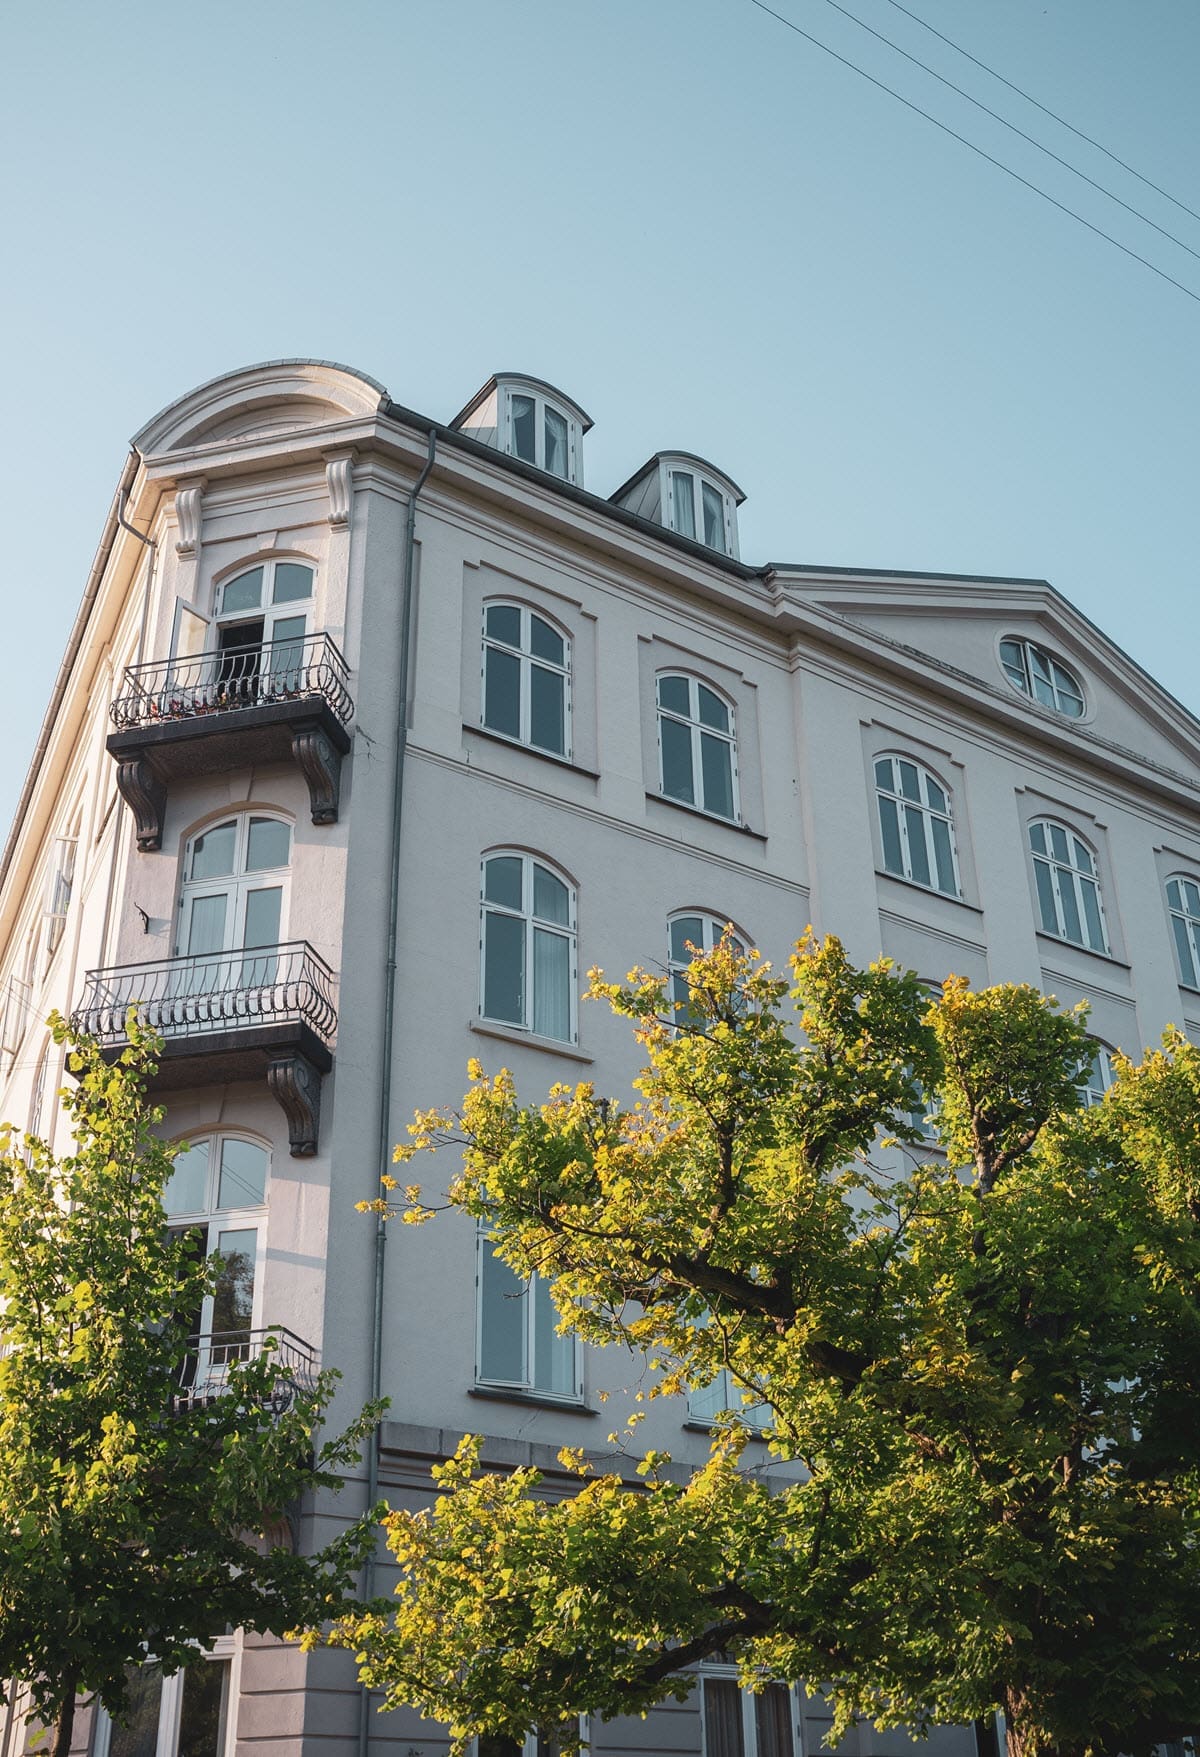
(710, 233)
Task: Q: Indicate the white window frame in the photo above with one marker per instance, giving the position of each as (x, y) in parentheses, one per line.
(700, 481)
(527, 1383)
(216, 1220)
(541, 403)
(712, 928)
(527, 659)
(236, 886)
(59, 884)
(717, 1672)
(532, 925)
(697, 729)
(535, 1744)
(225, 1650)
(1097, 1077)
(1065, 876)
(1185, 926)
(267, 611)
(927, 811)
(1060, 682)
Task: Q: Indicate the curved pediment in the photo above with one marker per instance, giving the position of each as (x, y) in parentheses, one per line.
(278, 397)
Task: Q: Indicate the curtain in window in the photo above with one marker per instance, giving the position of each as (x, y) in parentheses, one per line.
(551, 985)
(773, 1721)
(722, 1718)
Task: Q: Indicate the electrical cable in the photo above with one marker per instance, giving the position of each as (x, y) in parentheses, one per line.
(1012, 126)
(1046, 111)
(991, 159)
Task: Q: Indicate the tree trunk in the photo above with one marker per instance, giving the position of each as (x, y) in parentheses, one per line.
(65, 1726)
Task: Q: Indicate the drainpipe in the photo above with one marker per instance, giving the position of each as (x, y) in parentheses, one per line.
(384, 1144)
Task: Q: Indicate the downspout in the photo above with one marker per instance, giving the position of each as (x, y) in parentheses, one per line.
(384, 1142)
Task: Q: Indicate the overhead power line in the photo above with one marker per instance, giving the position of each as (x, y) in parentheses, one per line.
(1053, 114)
(1012, 127)
(964, 141)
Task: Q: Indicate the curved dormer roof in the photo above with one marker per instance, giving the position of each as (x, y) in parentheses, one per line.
(689, 460)
(274, 397)
(522, 381)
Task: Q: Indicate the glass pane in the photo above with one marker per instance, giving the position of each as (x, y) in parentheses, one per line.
(205, 1707)
(551, 985)
(1091, 915)
(1174, 894)
(674, 695)
(1037, 838)
(544, 641)
(263, 910)
(206, 925)
(524, 437)
(713, 505)
(186, 1189)
(553, 1355)
(287, 636)
(918, 853)
(712, 710)
(722, 1718)
(1072, 926)
(243, 1181)
(292, 582)
(137, 1736)
(685, 929)
(676, 740)
(1187, 968)
(683, 500)
(547, 709)
(717, 768)
(1058, 843)
(269, 844)
(1046, 902)
(773, 1721)
(503, 967)
(935, 796)
(502, 880)
(943, 854)
(1043, 683)
(556, 444)
(1191, 898)
(910, 784)
(551, 899)
(243, 593)
(502, 692)
(1012, 658)
(496, 1745)
(502, 1321)
(1082, 856)
(889, 824)
(233, 1297)
(883, 774)
(504, 624)
(212, 853)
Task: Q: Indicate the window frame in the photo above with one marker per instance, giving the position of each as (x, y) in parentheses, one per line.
(717, 1671)
(60, 882)
(541, 405)
(267, 610)
(1055, 867)
(700, 481)
(698, 730)
(1186, 923)
(927, 812)
(527, 1385)
(237, 885)
(532, 923)
(527, 661)
(215, 1219)
(1101, 1064)
(1060, 679)
(225, 1650)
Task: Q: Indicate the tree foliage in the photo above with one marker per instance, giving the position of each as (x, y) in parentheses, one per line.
(134, 1521)
(982, 1364)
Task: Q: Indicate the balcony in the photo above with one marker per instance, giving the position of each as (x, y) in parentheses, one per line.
(204, 1373)
(262, 1012)
(283, 701)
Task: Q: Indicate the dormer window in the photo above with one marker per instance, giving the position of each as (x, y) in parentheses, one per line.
(688, 496)
(529, 420)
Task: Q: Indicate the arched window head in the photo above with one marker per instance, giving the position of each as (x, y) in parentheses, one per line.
(235, 881)
(688, 933)
(1045, 679)
(1068, 886)
(916, 825)
(1183, 905)
(526, 678)
(527, 939)
(696, 745)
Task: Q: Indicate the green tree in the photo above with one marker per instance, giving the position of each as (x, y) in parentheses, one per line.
(982, 1362)
(135, 1521)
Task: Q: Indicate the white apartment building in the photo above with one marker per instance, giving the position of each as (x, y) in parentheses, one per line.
(327, 644)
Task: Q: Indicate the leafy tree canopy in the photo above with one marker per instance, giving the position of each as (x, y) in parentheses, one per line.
(982, 1363)
(135, 1521)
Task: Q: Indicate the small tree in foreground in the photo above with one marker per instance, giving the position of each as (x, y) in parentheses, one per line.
(134, 1522)
(986, 1368)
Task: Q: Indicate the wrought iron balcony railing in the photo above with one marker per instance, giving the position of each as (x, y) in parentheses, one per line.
(219, 682)
(204, 1374)
(216, 992)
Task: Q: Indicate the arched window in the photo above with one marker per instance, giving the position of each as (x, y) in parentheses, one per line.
(696, 745)
(1034, 671)
(217, 1193)
(235, 881)
(689, 932)
(262, 618)
(1096, 1078)
(1068, 887)
(526, 678)
(1183, 903)
(527, 942)
(915, 824)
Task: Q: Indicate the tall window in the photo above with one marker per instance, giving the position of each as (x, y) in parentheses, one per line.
(528, 947)
(217, 1194)
(1096, 1077)
(916, 825)
(37, 1096)
(740, 1723)
(185, 1715)
(234, 888)
(518, 1346)
(540, 434)
(1183, 903)
(266, 607)
(1035, 673)
(526, 678)
(1068, 888)
(687, 935)
(697, 751)
(698, 509)
(58, 899)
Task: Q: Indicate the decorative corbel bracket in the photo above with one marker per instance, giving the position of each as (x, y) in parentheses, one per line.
(295, 1084)
(339, 479)
(320, 763)
(146, 797)
(189, 506)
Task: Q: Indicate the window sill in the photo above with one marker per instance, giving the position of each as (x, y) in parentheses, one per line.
(910, 884)
(1052, 939)
(546, 756)
(514, 1034)
(533, 1399)
(692, 1426)
(710, 817)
